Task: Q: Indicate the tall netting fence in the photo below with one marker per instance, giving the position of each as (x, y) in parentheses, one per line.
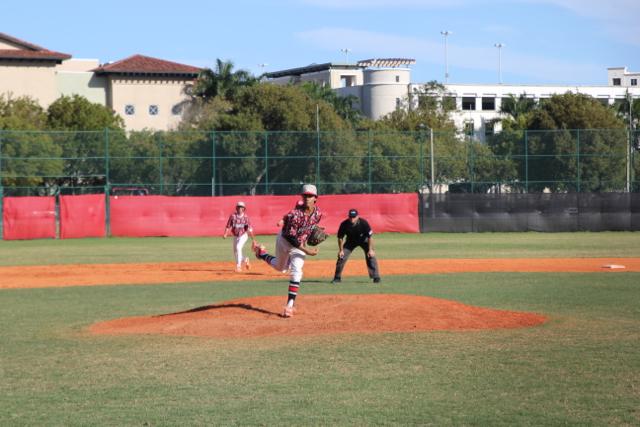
(234, 163)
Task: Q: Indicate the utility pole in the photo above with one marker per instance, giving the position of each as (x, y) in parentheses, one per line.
(500, 46)
(446, 33)
(346, 52)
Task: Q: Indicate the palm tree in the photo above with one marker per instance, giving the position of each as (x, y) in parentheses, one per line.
(517, 111)
(222, 81)
(344, 106)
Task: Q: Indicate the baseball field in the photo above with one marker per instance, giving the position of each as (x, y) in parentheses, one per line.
(465, 329)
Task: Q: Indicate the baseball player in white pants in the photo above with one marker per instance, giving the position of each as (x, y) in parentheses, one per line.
(240, 226)
(291, 248)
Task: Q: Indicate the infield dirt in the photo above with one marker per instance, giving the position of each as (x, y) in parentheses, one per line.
(316, 314)
(321, 315)
(45, 276)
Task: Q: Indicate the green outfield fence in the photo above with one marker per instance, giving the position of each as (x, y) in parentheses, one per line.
(230, 163)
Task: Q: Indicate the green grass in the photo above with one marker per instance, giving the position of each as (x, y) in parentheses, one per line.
(580, 368)
(389, 245)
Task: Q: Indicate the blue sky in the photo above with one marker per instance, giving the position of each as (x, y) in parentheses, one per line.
(546, 41)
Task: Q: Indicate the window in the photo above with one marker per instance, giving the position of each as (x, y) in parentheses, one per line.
(468, 103)
(616, 82)
(398, 103)
(634, 82)
(427, 102)
(176, 110)
(489, 128)
(469, 127)
(346, 81)
(397, 79)
(153, 110)
(129, 109)
(488, 103)
(449, 103)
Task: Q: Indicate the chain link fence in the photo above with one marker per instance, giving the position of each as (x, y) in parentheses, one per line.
(234, 163)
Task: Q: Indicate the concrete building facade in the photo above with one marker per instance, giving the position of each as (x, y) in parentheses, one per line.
(386, 85)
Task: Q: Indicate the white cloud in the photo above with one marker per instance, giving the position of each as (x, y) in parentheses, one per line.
(618, 17)
(366, 44)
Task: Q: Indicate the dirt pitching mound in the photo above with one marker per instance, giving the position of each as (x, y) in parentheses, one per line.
(321, 315)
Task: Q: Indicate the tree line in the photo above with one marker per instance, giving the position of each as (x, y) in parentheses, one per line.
(265, 139)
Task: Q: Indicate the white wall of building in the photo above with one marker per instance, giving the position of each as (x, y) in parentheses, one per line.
(384, 90)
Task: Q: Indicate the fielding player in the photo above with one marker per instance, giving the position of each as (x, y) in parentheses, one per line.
(359, 234)
(240, 226)
(291, 248)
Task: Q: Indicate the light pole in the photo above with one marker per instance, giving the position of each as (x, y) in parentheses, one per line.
(446, 33)
(346, 53)
(500, 46)
(630, 144)
(262, 67)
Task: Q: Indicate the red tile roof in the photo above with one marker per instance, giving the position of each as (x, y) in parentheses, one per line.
(140, 64)
(28, 50)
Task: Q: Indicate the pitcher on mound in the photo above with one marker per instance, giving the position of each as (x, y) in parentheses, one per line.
(291, 243)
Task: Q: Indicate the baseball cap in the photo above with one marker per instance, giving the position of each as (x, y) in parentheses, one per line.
(310, 190)
(240, 204)
(353, 213)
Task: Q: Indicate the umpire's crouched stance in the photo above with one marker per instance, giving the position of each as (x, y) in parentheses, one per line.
(358, 233)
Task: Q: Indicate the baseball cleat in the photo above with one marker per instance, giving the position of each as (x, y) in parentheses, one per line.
(259, 250)
(288, 311)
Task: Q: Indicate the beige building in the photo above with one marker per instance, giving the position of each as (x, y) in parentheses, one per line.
(29, 70)
(146, 92)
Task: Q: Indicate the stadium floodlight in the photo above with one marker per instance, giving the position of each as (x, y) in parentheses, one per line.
(346, 52)
(446, 34)
(500, 46)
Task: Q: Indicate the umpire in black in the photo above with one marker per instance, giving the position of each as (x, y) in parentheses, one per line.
(358, 233)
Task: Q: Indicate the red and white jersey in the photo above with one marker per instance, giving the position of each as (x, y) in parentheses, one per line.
(297, 225)
(238, 224)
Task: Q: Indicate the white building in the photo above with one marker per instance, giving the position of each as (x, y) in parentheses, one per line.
(382, 85)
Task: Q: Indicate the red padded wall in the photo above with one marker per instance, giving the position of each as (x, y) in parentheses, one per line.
(29, 218)
(139, 216)
(384, 212)
(82, 216)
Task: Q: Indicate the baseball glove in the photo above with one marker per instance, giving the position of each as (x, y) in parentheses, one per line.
(317, 236)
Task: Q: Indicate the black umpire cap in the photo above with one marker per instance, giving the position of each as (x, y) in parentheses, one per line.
(353, 213)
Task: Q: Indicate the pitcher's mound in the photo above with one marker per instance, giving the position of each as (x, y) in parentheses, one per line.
(321, 314)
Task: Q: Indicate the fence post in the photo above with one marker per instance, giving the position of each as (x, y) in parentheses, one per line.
(161, 166)
(432, 155)
(471, 162)
(526, 162)
(421, 136)
(107, 186)
(628, 156)
(213, 163)
(369, 157)
(1, 191)
(318, 158)
(266, 162)
(578, 156)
